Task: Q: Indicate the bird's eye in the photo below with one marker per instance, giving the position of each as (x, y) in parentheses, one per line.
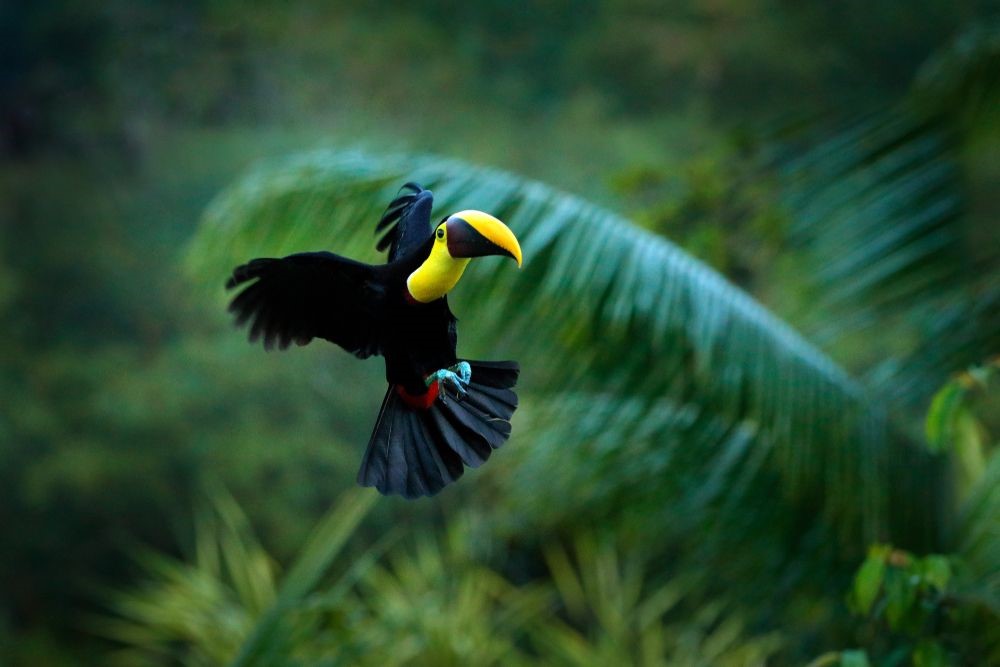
(440, 232)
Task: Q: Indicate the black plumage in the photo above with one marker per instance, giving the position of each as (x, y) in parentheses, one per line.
(419, 443)
(417, 452)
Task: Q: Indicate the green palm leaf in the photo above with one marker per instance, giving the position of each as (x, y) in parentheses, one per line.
(268, 641)
(226, 606)
(882, 207)
(878, 205)
(601, 306)
(963, 77)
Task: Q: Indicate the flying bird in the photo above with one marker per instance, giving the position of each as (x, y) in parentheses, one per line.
(439, 413)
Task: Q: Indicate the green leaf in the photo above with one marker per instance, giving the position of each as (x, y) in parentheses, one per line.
(943, 414)
(979, 534)
(592, 283)
(826, 660)
(900, 596)
(205, 608)
(929, 653)
(854, 658)
(962, 77)
(882, 207)
(326, 541)
(951, 425)
(936, 571)
(878, 206)
(868, 581)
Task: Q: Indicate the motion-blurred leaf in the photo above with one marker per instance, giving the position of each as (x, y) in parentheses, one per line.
(868, 581)
(854, 658)
(270, 633)
(930, 653)
(600, 305)
(936, 571)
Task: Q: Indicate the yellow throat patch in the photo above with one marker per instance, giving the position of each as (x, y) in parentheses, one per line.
(438, 274)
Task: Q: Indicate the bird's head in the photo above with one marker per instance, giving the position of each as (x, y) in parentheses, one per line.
(458, 238)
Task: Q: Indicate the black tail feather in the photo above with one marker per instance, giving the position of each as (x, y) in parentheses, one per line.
(396, 467)
(414, 452)
(471, 445)
(498, 374)
(374, 464)
(477, 427)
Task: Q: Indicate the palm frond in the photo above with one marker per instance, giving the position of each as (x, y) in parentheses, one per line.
(196, 612)
(689, 471)
(980, 535)
(271, 635)
(606, 592)
(980, 553)
(601, 305)
(956, 331)
(433, 603)
(964, 76)
(882, 207)
(698, 487)
(878, 205)
(225, 605)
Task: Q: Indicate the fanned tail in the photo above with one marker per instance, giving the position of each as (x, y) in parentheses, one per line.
(417, 452)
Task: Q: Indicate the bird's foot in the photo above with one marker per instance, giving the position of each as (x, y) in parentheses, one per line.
(454, 378)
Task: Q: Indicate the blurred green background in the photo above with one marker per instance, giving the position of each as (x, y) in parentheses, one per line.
(690, 481)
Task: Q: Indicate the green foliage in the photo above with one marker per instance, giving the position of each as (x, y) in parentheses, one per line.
(722, 207)
(878, 204)
(944, 415)
(275, 630)
(961, 424)
(432, 600)
(939, 609)
(949, 408)
(601, 299)
(976, 456)
(962, 78)
(198, 612)
(887, 209)
(225, 606)
(855, 658)
(435, 603)
(868, 581)
(903, 589)
(121, 389)
(913, 598)
(615, 615)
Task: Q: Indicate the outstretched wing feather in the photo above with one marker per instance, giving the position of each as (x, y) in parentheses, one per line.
(309, 295)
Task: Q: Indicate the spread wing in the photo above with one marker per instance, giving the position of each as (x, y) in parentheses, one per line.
(407, 221)
(309, 295)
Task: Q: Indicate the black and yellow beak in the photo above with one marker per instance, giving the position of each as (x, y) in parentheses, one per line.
(478, 234)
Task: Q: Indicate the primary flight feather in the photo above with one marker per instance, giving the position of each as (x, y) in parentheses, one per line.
(439, 414)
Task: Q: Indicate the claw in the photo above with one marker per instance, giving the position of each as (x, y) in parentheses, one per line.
(456, 378)
(463, 370)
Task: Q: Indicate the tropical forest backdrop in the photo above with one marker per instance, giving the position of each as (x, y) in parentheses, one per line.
(758, 324)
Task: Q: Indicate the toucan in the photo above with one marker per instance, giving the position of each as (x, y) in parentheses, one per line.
(439, 413)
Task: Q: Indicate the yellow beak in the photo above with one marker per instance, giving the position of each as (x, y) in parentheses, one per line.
(477, 234)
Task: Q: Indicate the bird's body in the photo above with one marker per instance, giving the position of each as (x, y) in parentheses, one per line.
(398, 310)
(420, 337)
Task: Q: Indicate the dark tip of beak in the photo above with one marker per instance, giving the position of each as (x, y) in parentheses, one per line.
(465, 241)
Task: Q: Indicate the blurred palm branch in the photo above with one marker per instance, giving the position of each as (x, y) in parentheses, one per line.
(602, 309)
(738, 448)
